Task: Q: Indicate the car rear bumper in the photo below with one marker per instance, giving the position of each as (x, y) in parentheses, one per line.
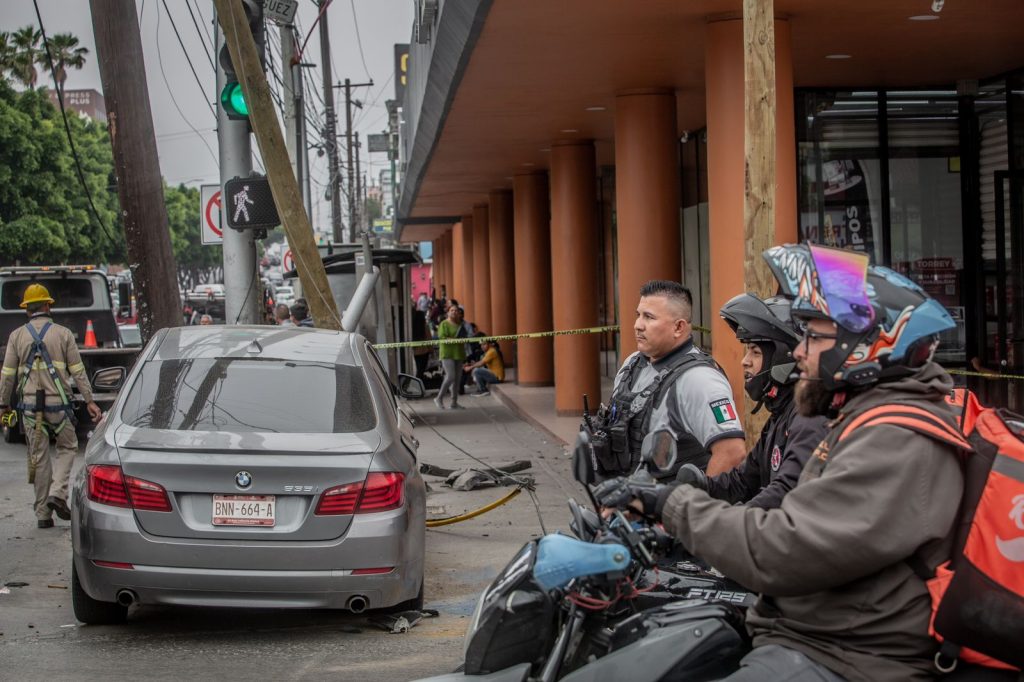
(233, 573)
(239, 588)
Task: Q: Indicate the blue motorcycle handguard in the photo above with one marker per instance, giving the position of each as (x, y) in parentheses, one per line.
(561, 558)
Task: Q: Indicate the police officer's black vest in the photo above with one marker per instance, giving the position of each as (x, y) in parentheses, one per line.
(634, 409)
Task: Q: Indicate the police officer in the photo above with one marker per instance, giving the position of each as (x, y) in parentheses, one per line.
(40, 358)
(669, 384)
(774, 464)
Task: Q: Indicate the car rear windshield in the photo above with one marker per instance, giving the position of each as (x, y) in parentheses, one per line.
(67, 292)
(243, 395)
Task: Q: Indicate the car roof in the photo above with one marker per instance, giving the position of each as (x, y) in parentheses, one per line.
(283, 343)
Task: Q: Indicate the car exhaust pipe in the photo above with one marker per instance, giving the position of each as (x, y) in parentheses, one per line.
(126, 597)
(357, 604)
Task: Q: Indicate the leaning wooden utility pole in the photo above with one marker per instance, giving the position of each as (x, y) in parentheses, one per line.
(285, 189)
(139, 183)
(759, 135)
(759, 149)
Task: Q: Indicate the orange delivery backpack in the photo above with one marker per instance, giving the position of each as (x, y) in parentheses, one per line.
(978, 595)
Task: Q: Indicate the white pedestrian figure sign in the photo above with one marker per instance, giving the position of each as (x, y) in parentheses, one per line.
(242, 204)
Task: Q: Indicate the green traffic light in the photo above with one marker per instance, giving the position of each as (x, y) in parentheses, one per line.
(233, 100)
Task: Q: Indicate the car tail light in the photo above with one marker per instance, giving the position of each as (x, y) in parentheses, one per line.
(380, 491)
(340, 499)
(373, 571)
(147, 496)
(106, 486)
(383, 491)
(109, 485)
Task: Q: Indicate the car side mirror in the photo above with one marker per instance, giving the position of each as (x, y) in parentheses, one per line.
(658, 452)
(410, 387)
(109, 379)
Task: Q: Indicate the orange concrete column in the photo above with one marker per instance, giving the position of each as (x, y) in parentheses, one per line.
(646, 197)
(437, 275)
(449, 261)
(532, 239)
(574, 273)
(502, 248)
(464, 293)
(726, 177)
(458, 271)
(437, 264)
(480, 313)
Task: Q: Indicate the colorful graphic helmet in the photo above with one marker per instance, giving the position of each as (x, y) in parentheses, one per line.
(766, 323)
(886, 324)
(36, 293)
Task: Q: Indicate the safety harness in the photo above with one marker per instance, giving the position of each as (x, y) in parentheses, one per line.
(30, 412)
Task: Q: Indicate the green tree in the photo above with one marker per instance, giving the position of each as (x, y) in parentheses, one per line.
(45, 216)
(196, 262)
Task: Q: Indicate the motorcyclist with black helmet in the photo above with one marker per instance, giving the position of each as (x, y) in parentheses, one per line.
(773, 465)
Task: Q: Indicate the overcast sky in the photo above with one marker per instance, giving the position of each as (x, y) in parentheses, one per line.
(184, 156)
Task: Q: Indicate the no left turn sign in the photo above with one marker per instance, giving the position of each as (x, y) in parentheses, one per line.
(209, 218)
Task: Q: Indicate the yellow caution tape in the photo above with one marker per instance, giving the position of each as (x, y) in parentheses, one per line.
(986, 375)
(434, 523)
(510, 337)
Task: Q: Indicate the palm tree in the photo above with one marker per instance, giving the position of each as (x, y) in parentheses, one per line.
(6, 54)
(27, 53)
(66, 54)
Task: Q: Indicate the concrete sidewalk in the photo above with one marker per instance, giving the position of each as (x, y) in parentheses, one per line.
(536, 406)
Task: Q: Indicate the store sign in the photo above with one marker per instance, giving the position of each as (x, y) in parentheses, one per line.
(846, 209)
(401, 70)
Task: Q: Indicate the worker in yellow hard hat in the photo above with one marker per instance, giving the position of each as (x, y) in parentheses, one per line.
(41, 358)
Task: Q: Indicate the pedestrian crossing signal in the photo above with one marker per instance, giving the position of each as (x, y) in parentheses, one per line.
(248, 204)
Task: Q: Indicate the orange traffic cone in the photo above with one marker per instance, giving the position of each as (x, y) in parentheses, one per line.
(90, 336)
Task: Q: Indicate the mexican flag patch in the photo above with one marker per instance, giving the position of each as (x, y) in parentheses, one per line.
(723, 410)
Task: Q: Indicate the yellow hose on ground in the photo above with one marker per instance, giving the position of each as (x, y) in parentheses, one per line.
(434, 523)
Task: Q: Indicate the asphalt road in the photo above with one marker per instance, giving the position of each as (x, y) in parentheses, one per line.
(41, 640)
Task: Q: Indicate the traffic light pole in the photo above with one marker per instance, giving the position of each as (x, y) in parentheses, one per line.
(286, 195)
(243, 290)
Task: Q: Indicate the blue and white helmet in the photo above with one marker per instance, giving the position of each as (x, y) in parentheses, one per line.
(886, 323)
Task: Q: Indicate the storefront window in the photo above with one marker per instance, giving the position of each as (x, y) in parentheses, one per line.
(925, 216)
(880, 173)
(840, 173)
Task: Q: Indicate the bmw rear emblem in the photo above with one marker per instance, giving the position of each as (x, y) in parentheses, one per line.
(243, 479)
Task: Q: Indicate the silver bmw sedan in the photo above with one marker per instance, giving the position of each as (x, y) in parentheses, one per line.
(250, 467)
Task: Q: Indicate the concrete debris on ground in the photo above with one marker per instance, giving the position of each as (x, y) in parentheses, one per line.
(474, 479)
(398, 623)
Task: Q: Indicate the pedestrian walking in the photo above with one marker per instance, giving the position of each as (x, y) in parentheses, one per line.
(452, 355)
(41, 358)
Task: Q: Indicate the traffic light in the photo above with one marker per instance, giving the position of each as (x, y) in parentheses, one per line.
(231, 97)
(249, 204)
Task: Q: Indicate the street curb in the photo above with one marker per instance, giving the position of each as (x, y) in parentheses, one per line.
(524, 415)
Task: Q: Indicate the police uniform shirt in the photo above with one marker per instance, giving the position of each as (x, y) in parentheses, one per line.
(699, 402)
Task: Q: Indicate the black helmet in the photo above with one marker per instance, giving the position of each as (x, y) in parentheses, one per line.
(767, 324)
